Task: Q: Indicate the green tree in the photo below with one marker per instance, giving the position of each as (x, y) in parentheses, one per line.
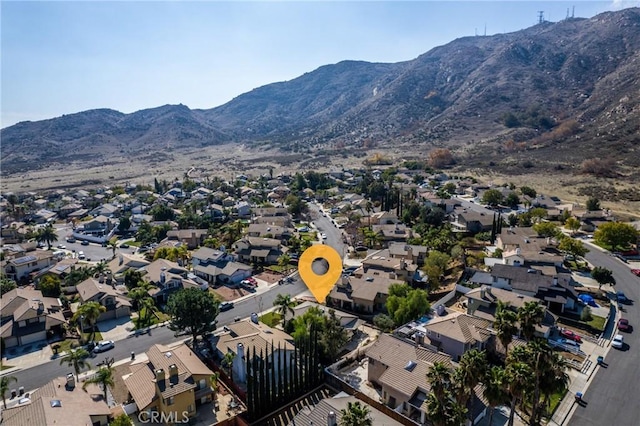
(572, 224)
(472, 369)
(512, 200)
(5, 382)
(47, 235)
(617, 235)
(133, 278)
(355, 414)
(193, 310)
(103, 378)
(383, 322)
(495, 389)
(295, 205)
(518, 379)
(50, 286)
(530, 315)
(505, 325)
(284, 260)
(528, 191)
(492, 197)
(227, 361)
(162, 212)
(442, 407)
(6, 285)
(593, 204)
(538, 213)
(148, 306)
(87, 315)
(121, 420)
(113, 245)
(573, 247)
(603, 276)
(76, 358)
(284, 305)
(546, 229)
(333, 336)
(124, 224)
(405, 303)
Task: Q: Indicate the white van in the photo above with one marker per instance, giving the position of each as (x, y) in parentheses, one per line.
(81, 255)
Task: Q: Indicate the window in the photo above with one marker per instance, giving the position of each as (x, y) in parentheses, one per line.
(202, 384)
(169, 401)
(191, 408)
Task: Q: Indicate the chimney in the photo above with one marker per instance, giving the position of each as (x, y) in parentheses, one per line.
(403, 264)
(159, 376)
(173, 373)
(332, 419)
(40, 306)
(241, 373)
(555, 281)
(410, 252)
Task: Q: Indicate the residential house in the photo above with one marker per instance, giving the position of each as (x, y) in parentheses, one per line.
(410, 253)
(67, 209)
(367, 295)
(170, 380)
(168, 277)
(328, 411)
(19, 267)
(349, 322)
(382, 264)
(123, 262)
(258, 250)
(242, 209)
(482, 303)
(192, 238)
(27, 316)
(107, 209)
(60, 402)
(249, 337)
(44, 216)
(216, 266)
(393, 233)
(522, 246)
(457, 333)
(262, 230)
(384, 218)
(284, 221)
(99, 290)
(99, 226)
(400, 369)
(467, 220)
(13, 233)
(59, 270)
(271, 211)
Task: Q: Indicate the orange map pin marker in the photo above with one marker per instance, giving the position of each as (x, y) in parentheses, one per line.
(320, 285)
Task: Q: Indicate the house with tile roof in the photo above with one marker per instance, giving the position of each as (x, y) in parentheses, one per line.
(168, 277)
(171, 380)
(98, 290)
(243, 337)
(216, 266)
(400, 369)
(258, 250)
(27, 316)
(60, 402)
(457, 333)
(367, 294)
(23, 264)
(396, 268)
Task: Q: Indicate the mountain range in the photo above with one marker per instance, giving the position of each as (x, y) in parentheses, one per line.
(553, 96)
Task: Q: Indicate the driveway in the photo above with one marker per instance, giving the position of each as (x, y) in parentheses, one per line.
(116, 329)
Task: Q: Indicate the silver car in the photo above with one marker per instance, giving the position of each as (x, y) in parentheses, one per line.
(104, 345)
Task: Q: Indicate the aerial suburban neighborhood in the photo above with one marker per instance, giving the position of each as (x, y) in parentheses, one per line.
(181, 301)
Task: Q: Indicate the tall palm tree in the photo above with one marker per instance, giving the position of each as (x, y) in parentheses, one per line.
(473, 367)
(113, 245)
(284, 305)
(100, 268)
(138, 293)
(530, 315)
(356, 414)
(47, 235)
(104, 378)
(494, 389)
(5, 382)
(89, 313)
(505, 326)
(214, 378)
(227, 361)
(150, 309)
(439, 376)
(518, 381)
(552, 378)
(76, 358)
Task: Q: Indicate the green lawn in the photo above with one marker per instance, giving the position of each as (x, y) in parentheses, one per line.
(597, 322)
(96, 337)
(134, 243)
(554, 401)
(5, 367)
(158, 318)
(271, 319)
(65, 345)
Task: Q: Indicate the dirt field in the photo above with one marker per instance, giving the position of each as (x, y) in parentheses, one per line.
(227, 294)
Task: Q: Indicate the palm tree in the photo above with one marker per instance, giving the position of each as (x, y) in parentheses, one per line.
(439, 376)
(227, 361)
(89, 313)
(518, 381)
(505, 325)
(100, 268)
(150, 308)
(47, 235)
(356, 414)
(554, 381)
(183, 254)
(138, 293)
(113, 245)
(472, 367)
(76, 358)
(214, 384)
(494, 389)
(5, 382)
(530, 315)
(284, 304)
(550, 375)
(104, 378)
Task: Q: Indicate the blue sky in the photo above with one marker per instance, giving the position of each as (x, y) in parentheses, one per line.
(66, 57)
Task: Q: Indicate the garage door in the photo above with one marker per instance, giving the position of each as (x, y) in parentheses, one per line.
(41, 335)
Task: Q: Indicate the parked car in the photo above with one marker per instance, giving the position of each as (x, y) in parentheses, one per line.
(623, 324)
(568, 334)
(636, 272)
(81, 255)
(125, 245)
(62, 246)
(618, 341)
(225, 306)
(303, 229)
(361, 248)
(84, 243)
(252, 280)
(323, 236)
(71, 240)
(621, 297)
(104, 345)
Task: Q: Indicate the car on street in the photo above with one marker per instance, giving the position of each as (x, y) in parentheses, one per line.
(361, 248)
(618, 341)
(303, 229)
(323, 236)
(623, 324)
(225, 306)
(84, 243)
(81, 255)
(636, 272)
(104, 345)
(62, 246)
(571, 335)
(621, 297)
(125, 245)
(71, 240)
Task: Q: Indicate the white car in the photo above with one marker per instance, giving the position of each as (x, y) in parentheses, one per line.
(618, 341)
(323, 236)
(104, 345)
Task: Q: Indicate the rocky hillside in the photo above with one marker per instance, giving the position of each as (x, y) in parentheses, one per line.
(552, 95)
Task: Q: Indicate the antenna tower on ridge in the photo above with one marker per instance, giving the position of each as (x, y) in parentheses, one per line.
(540, 16)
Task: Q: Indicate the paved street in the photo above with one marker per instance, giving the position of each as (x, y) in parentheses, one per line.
(611, 395)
